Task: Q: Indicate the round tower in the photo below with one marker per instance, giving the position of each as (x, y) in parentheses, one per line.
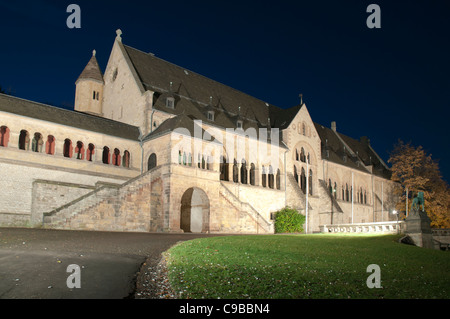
(89, 88)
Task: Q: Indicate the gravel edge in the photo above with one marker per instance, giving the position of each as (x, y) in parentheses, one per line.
(152, 280)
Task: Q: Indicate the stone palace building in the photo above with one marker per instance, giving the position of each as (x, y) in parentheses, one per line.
(153, 147)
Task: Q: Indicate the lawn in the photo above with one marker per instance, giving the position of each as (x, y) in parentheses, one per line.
(306, 266)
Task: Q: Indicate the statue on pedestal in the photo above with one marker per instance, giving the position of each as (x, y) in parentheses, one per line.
(417, 202)
(418, 223)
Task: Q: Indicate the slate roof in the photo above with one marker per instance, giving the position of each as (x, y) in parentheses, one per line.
(344, 150)
(75, 119)
(182, 124)
(92, 70)
(194, 94)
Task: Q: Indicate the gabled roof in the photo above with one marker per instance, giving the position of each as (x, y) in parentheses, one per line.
(282, 118)
(182, 124)
(344, 150)
(193, 93)
(74, 119)
(92, 70)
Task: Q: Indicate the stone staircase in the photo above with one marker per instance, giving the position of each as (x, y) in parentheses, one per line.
(262, 225)
(298, 192)
(330, 200)
(109, 207)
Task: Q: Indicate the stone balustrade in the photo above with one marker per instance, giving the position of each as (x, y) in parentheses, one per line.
(377, 227)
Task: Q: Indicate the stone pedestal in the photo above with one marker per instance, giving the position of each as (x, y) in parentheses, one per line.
(418, 228)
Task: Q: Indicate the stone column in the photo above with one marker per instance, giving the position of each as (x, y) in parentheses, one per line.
(230, 171)
(257, 176)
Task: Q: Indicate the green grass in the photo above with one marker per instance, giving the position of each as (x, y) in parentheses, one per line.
(306, 266)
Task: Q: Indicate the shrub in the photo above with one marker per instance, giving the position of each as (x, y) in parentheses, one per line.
(289, 220)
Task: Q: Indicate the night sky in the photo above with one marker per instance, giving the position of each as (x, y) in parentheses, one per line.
(388, 84)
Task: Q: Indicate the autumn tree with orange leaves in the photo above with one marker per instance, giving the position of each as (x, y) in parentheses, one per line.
(416, 171)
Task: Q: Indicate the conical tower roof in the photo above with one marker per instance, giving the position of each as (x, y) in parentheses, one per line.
(92, 70)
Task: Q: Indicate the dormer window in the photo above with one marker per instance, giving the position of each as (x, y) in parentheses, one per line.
(210, 115)
(239, 124)
(170, 102)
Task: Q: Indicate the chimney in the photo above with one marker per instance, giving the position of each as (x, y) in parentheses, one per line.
(333, 126)
(364, 140)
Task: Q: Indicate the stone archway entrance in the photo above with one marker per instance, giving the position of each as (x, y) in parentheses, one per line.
(194, 215)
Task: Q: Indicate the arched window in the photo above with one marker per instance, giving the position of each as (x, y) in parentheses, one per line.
(90, 152)
(303, 129)
(126, 159)
(4, 136)
(37, 143)
(365, 197)
(271, 177)
(361, 195)
(295, 174)
(343, 193)
(180, 157)
(68, 149)
(235, 172)
(347, 197)
(303, 181)
(50, 145)
(263, 177)
(203, 162)
(24, 140)
(296, 155)
(278, 179)
(152, 162)
(116, 158)
(79, 151)
(302, 155)
(224, 169)
(105, 155)
(190, 159)
(310, 182)
(243, 172)
(184, 158)
(252, 174)
(330, 188)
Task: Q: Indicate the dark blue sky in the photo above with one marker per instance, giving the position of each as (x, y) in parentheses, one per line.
(386, 83)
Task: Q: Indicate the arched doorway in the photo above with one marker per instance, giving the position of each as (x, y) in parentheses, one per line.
(194, 215)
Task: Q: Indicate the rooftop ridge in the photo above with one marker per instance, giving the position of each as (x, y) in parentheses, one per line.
(65, 110)
(200, 75)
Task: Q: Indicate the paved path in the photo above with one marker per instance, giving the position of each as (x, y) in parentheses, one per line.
(33, 262)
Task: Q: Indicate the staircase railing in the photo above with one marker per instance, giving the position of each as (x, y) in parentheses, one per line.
(249, 209)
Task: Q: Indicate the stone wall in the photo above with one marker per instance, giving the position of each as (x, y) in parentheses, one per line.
(49, 195)
(122, 91)
(239, 216)
(262, 199)
(115, 208)
(26, 189)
